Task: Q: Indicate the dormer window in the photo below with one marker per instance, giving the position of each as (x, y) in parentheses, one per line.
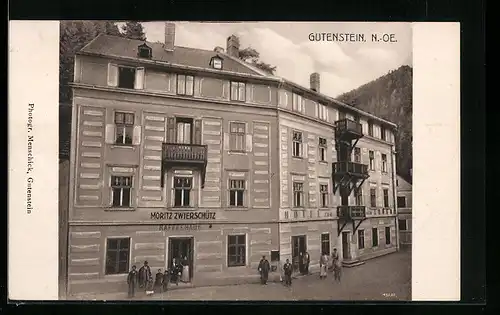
(216, 62)
(144, 51)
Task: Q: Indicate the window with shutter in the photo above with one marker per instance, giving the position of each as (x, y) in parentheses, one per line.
(297, 144)
(185, 85)
(238, 91)
(237, 136)
(124, 126)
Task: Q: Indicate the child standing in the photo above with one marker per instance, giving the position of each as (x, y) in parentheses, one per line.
(132, 281)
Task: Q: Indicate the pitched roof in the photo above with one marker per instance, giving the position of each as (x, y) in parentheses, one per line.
(124, 47)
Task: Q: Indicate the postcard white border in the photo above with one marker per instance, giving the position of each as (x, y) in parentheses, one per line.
(33, 239)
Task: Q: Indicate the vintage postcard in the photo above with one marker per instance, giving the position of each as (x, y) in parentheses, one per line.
(233, 161)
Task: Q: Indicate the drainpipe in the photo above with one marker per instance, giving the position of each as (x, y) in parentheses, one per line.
(396, 222)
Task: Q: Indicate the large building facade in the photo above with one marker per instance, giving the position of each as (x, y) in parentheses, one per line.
(186, 153)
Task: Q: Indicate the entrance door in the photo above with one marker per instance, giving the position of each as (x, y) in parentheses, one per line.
(299, 246)
(182, 250)
(346, 250)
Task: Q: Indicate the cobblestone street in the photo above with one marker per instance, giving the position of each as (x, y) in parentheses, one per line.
(384, 278)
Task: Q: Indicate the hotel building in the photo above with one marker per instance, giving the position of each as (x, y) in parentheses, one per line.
(404, 202)
(183, 152)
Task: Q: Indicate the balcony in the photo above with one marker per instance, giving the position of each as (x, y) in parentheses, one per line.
(340, 169)
(351, 212)
(185, 155)
(347, 129)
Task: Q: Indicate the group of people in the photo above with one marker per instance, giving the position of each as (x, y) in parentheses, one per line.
(324, 265)
(143, 278)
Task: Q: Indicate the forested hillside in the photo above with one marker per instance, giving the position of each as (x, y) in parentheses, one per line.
(390, 97)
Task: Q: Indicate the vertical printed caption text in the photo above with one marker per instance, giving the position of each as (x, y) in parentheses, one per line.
(30, 166)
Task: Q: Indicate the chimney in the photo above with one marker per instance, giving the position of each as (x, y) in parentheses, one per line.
(233, 46)
(219, 49)
(169, 36)
(314, 81)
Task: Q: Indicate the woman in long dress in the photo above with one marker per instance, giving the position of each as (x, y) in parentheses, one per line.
(323, 265)
(185, 270)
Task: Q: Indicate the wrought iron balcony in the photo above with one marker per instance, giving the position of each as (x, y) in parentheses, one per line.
(184, 153)
(351, 212)
(350, 168)
(188, 155)
(347, 129)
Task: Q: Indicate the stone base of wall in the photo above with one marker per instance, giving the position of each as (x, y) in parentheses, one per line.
(377, 253)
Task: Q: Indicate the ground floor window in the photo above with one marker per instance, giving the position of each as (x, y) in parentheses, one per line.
(361, 239)
(387, 235)
(117, 255)
(236, 250)
(325, 244)
(402, 225)
(374, 237)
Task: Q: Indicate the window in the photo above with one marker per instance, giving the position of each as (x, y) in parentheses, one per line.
(185, 84)
(182, 191)
(298, 194)
(126, 77)
(374, 237)
(325, 244)
(383, 135)
(373, 197)
(238, 91)
(121, 187)
(297, 144)
(397, 182)
(117, 255)
(384, 163)
(370, 129)
(184, 128)
(361, 239)
(402, 225)
(297, 103)
(357, 155)
(342, 115)
(236, 250)
(237, 136)
(124, 127)
(322, 112)
(386, 197)
(144, 51)
(387, 235)
(372, 160)
(216, 62)
(358, 195)
(322, 149)
(323, 190)
(236, 193)
(401, 202)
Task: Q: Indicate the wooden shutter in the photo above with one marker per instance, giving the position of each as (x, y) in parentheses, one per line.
(110, 134)
(112, 74)
(226, 141)
(170, 130)
(248, 138)
(305, 154)
(139, 78)
(316, 109)
(303, 104)
(197, 131)
(136, 138)
(77, 76)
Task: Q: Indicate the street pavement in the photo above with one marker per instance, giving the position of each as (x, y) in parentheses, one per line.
(387, 278)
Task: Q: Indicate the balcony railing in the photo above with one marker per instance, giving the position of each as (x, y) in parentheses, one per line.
(350, 168)
(348, 126)
(179, 152)
(351, 212)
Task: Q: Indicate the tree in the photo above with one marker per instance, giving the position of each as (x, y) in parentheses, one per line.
(252, 56)
(133, 30)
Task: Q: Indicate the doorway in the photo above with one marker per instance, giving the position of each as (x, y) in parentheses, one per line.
(346, 250)
(181, 248)
(299, 245)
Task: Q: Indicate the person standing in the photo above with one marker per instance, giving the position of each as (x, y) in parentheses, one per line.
(307, 260)
(323, 266)
(287, 268)
(132, 281)
(264, 268)
(185, 270)
(166, 279)
(159, 282)
(301, 263)
(145, 276)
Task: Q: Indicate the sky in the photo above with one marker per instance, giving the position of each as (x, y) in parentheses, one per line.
(343, 66)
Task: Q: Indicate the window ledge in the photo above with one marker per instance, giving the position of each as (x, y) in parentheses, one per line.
(237, 209)
(237, 152)
(323, 162)
(122, 146)
(181, 208)
(298, 158)
(119, 209)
